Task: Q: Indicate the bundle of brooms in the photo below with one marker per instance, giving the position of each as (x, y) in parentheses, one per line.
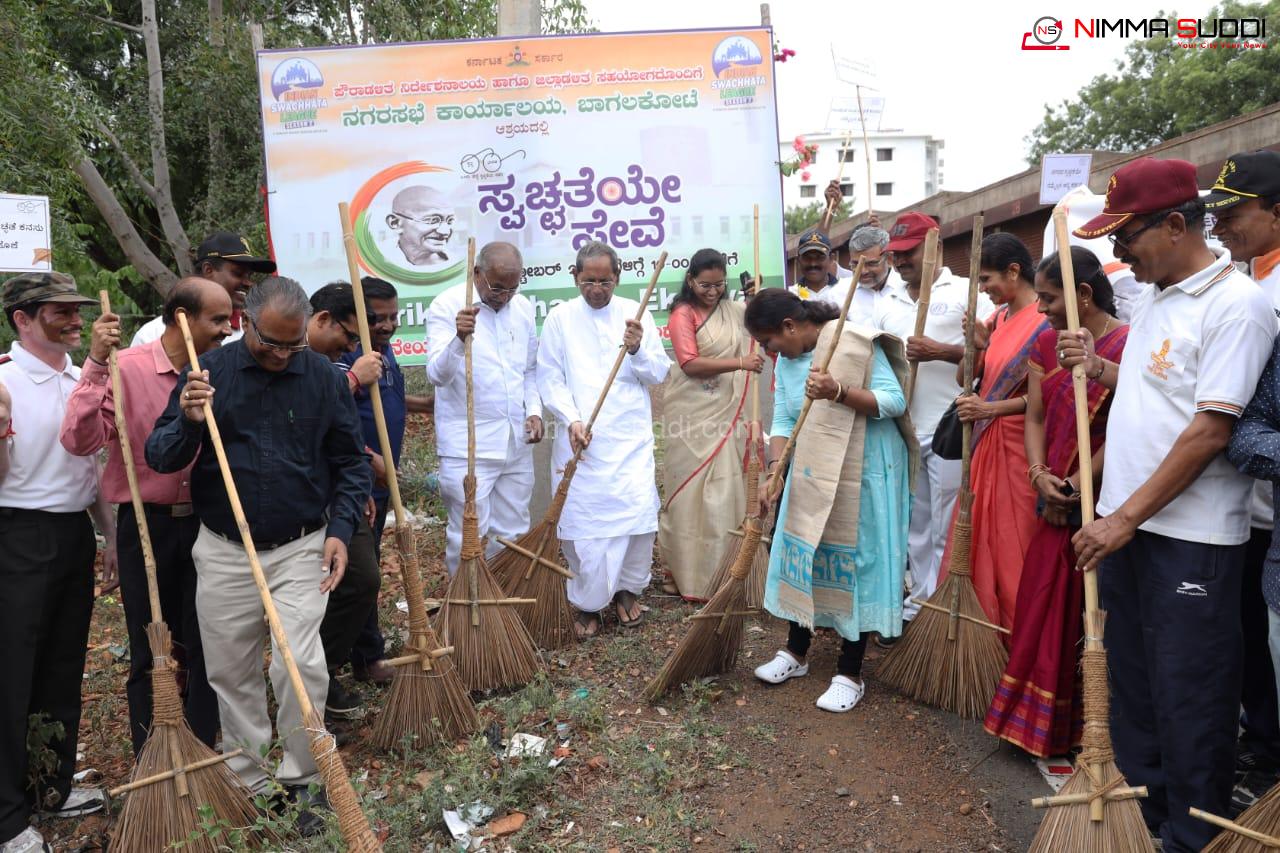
(427, 703)
(758, 568)
(494, 650)
(950, 656)
(711, 644)
(1096, 811)
(529, 568)
(176, 775)
(324, 747)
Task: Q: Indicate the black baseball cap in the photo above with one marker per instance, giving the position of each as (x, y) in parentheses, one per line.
(1254, 174)
(226, 246)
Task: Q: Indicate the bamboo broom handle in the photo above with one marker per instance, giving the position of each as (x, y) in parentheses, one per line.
(755, 430)
(131, 474)
(929, 272)
(831, 205)
(825, 359)
(866, 152)
(466, 355)
(1231, 826)
(970, 352)
(375, 394)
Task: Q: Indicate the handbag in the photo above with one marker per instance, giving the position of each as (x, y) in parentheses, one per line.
(948, 438)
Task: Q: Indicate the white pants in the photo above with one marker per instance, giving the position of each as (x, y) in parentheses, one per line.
(603, 567)
(503, 490)
(232, 629)
(935, 497)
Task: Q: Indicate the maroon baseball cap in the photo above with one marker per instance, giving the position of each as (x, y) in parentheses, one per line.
(1143, 186)
(909, 231)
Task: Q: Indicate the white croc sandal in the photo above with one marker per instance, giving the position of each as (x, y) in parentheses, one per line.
(782, 667)
(842, 695)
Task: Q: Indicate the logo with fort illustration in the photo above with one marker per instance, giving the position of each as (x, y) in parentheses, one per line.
(736, 63)
(517, 58)
(295, 84)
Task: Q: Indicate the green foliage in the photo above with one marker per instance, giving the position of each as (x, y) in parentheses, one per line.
(42, 761)
(1160, 91)
(801, 216)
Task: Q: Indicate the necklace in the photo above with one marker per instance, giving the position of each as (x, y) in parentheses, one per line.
(1103, 333)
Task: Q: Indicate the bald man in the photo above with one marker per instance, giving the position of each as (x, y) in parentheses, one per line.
(148, 374)
(423, 220)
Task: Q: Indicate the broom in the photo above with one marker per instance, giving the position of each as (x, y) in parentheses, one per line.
(496, 650)
(351, 820)
(159, 815)
(712, 642)
(1245, 835)
(1096, 812)
(950, 656)
(929, 271)
(428, 703)
(759, 567)
(528, 567)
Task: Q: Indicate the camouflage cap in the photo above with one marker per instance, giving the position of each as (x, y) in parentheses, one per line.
(34, 287)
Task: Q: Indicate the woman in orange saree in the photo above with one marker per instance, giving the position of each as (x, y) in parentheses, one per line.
(1004, 506)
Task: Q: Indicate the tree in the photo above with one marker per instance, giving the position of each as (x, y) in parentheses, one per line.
(801, 216)
(1161, 91)
(140, 120)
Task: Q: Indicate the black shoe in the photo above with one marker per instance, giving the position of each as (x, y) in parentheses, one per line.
(885, 642)
(341, 703)
(310, 822)
(1249, 788)
(1248, 760)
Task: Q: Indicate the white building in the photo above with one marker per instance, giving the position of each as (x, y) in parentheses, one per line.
(905, 168)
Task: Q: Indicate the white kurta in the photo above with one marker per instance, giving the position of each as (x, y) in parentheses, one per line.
(614, 492)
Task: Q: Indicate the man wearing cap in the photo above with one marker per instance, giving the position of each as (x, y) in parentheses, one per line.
(47, 551)
(938, 350)
(1245, 204)
(1173, 511)
(149, 374)
(814, 276)
(227, 259)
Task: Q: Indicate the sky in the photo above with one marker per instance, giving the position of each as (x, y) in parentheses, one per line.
(960, 77)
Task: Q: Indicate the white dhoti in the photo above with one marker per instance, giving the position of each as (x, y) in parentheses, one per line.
(604, 567)
(503, 490)
(936, 487)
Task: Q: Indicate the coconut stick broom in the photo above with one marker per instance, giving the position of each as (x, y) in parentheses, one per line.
(759, 567)
(928, 272)
(1254, 832)
(351, 820)
(529, 568)
(950, 656)
(1096, 812)
(169, 789)
(712, 642)
(428, 703)
(493, 650)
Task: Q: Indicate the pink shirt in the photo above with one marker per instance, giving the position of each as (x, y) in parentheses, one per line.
(89, 425)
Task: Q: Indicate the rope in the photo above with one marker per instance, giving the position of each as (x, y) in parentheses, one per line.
(324, 748)
(961, 540)
(750, 542)
(470, 521)
(556, 508)
(166, 702)
(1095, 740)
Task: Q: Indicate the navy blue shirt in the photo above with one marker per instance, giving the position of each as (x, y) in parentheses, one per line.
(292, 439)
(1255, 450)
(391, 389)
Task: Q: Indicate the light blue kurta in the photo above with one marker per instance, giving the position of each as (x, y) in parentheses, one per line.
(880, 556)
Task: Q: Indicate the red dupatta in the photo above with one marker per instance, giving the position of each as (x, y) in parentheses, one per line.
(1058, 398)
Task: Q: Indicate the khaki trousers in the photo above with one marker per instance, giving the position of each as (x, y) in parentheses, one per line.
(233, 629)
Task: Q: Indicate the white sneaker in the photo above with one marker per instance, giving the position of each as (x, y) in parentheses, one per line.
(81, 801)
(783, 666)
(842, 695)
(28, 841)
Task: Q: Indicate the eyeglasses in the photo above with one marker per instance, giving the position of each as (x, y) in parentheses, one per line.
(494, 289)
(608, 283)
(352, 337)
(279, 347)
(434, 220)
(708, 286)
(1126, 241)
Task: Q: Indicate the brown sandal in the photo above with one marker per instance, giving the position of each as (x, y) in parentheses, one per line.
(582, 625)
(623, 602)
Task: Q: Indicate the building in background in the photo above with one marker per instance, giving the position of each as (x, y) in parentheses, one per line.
(905, 168)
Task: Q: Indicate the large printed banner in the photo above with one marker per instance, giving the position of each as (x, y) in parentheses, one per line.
(646, 141)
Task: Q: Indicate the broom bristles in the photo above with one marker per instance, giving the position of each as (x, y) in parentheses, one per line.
(498, 653)
(426, 706)
(550, 618)
(757, 574)
(1263, 816)
(1069, 827)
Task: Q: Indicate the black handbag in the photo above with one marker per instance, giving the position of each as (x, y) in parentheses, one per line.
(948, 438)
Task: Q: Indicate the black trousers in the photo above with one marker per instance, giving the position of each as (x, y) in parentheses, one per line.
(46, 601)
(370, 647)
(171, 542)
(1260, 722)
(356, 597)
(849, 663)
(1174, 645)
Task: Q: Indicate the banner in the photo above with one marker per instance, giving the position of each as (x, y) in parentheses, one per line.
(25, 239)
(645, 141)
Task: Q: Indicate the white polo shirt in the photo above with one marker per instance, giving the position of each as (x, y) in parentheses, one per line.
(895, 312)
(1196, 346)
(42, 474)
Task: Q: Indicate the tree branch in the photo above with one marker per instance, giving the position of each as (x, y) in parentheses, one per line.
(121, 24)
(174, 233)
(130, 164)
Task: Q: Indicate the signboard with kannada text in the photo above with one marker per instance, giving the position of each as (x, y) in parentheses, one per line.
(26, 243)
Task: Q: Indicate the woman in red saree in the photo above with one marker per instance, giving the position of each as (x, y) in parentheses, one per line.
(1004, 505)
(1037, 704)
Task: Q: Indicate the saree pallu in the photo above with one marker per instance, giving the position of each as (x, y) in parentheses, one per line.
(1004, 504)
(705, 434)
(1037, 703)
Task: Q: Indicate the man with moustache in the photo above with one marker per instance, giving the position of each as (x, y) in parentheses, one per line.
(149, 373)
(47, 552)
(1173, 511)
(224, 258)
(815, 280)
(423, 221)
(868, 243)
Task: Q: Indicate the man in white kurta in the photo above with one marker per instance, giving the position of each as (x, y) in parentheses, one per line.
(611, 515)
(504, 353)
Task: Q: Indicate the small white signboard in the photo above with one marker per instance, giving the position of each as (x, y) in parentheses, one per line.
(26, 242)
(844, 113)
(1061, 173)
